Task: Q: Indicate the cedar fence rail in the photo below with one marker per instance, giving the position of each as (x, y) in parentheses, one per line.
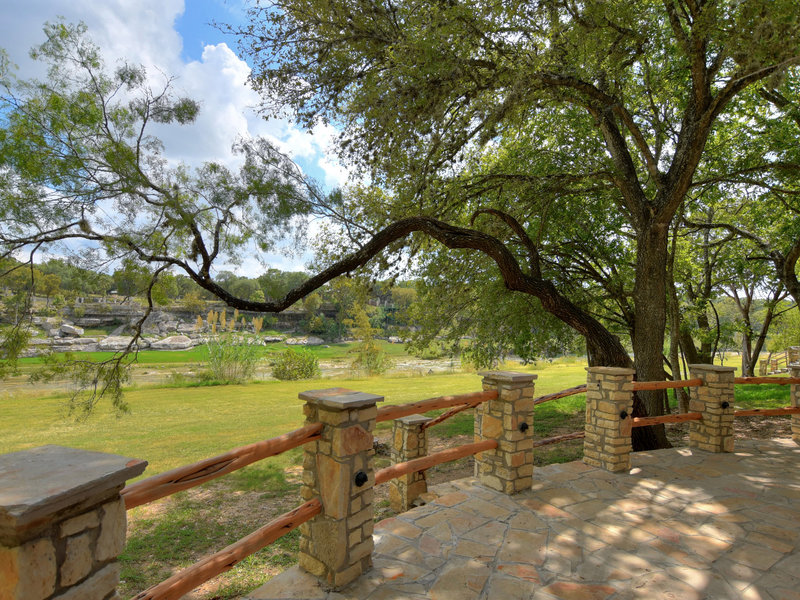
(197, 473)
(426, 462)
(188, 476)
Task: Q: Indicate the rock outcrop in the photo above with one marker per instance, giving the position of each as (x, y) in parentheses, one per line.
(173, 342)
(114, 343)
(70, 330)
(305, 341)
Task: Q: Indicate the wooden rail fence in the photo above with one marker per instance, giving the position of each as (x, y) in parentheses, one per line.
(438, 458)
(191, 577)
(188, 476)
(389, 413)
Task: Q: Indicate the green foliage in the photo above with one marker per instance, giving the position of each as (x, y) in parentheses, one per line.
(368, 357)
(591, 124)
(77, 147)
(786, 332)
(92, 380)
(233, 358)
(433, 350)
(276, 284)
(13, 341)
(294, 364)
(193, 303)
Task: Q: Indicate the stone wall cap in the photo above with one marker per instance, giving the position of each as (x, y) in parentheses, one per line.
(611, 370)
(414, 419)
(39, 482)
(508, 376)
(716, 368)
(340, 398)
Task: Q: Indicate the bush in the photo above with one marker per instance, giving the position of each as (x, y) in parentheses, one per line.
(295, 364)
(233, 358)
(370, 359)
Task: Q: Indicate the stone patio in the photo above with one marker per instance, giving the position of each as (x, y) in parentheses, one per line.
(683, 524)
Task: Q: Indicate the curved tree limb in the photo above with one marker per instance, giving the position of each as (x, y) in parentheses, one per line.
(516, 227)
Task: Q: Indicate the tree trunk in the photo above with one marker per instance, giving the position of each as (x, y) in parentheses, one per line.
(650, 294)
(747, 352)
(675, 328)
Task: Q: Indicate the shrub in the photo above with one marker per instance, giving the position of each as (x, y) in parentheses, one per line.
(233, 358)
(369, 357)
(296, 364)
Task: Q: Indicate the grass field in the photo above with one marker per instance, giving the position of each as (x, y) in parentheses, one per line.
(199, 354)
(173, 426)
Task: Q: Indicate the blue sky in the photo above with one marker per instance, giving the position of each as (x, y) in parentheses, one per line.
(170, 37)
(195, 29)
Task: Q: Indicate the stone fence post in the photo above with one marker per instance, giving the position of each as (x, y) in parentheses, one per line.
(336, 545)
(62, 523)
(609, 404)
(794, 371)
(509, 420)
(714, 399)
(409, 441)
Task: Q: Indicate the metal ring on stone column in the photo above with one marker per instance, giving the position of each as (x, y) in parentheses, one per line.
(361, 478)
(523, 427)
(623, 414)
(725, 404)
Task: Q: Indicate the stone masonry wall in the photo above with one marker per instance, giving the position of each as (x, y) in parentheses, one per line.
(509, 420)
(714, 432)
(74, 559)
(336, 546)
(409, 441)
(609, 404)
(63, 544)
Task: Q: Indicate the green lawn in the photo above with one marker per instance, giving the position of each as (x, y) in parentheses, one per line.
(761, 396)
(173, 426)
(200, 353)
(170, 427)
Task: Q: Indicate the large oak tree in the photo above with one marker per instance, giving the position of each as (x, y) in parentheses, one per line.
(418, 87)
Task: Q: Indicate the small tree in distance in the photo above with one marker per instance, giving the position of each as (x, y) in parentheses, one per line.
(368, 357)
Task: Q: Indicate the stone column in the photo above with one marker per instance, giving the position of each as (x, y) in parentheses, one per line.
(794, 371)
(714, 432)
(609, 404)
(409, 441)
(336, 546)
(62, 523)
(509, 420)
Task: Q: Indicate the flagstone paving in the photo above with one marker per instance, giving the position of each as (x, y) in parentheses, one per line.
(683, 524)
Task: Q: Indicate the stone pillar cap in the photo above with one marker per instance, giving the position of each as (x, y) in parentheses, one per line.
(340, 398)
(717, 368)
(611, 370)
(40, 482)
(414, 419)
(508, 376)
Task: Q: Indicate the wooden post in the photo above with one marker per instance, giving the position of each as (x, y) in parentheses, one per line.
(794, 371)
(336, 545)
(714, 399)
(609, 404)
(62, 522)
(409, 441)
(509, 420)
